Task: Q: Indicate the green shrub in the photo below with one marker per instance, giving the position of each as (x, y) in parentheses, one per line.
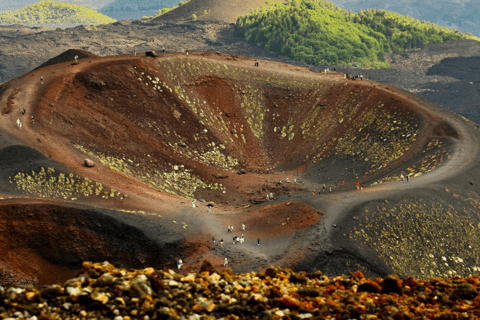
(318, 32)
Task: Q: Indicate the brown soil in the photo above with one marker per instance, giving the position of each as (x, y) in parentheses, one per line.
(105, 106)
(213, 10)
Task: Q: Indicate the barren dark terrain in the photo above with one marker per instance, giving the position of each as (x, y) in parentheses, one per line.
(214, 128)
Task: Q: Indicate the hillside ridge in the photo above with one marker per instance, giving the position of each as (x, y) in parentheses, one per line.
(50, 12)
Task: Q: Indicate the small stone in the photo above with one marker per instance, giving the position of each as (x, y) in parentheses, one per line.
(100, 297)
(464, 291)
(52, 291)
(392, 284)
(31, 295)
(105, 279)
(89, 163)
(67, 305)
(140, 287)
(210, 306)
(173, 283)
(189, 278)
(215, 277)
(279, 313)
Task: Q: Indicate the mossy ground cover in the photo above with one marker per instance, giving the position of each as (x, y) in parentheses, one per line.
(47, 183)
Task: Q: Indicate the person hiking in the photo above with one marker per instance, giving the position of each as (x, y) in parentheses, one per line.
(221, 243)
(180, 264)
(258, 241)
(243, 226)
(225, 262)
(229, 229)
(213, 240)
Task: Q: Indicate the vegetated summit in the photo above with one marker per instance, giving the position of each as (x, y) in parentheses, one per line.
(49, 12)
(212, 127)
(319, 33)
(452, 14)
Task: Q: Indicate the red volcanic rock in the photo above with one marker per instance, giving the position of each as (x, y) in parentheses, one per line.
(154, 294)
(391, 284)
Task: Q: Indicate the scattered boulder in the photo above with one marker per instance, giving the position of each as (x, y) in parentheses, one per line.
(464, 291)
(140, 287)
(370, 287)
(89, 163)
(392, 284)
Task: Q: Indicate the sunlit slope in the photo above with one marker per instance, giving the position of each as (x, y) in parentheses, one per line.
(48, 12)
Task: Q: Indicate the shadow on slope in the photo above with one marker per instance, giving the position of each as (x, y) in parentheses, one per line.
(59, 238)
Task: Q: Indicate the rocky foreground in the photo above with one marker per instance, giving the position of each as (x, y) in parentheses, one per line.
(102, 291)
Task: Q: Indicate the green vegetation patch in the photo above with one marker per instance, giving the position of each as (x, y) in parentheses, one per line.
(435, 154)
(49, 184)
(422, 239)
(51, 12)
(319, 33)
(165, 6)
(174, 178)
(379, 136)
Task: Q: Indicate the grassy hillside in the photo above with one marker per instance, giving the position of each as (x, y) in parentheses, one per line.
(50, 12)
(318, 32)
(11, 5)
(167, 9)
(455, 14)
(144, 5)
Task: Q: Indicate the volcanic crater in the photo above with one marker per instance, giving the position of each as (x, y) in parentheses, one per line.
(184, 145)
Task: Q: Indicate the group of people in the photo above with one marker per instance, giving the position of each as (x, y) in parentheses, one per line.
(324, 188)
(237, 239)
(352, 76)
